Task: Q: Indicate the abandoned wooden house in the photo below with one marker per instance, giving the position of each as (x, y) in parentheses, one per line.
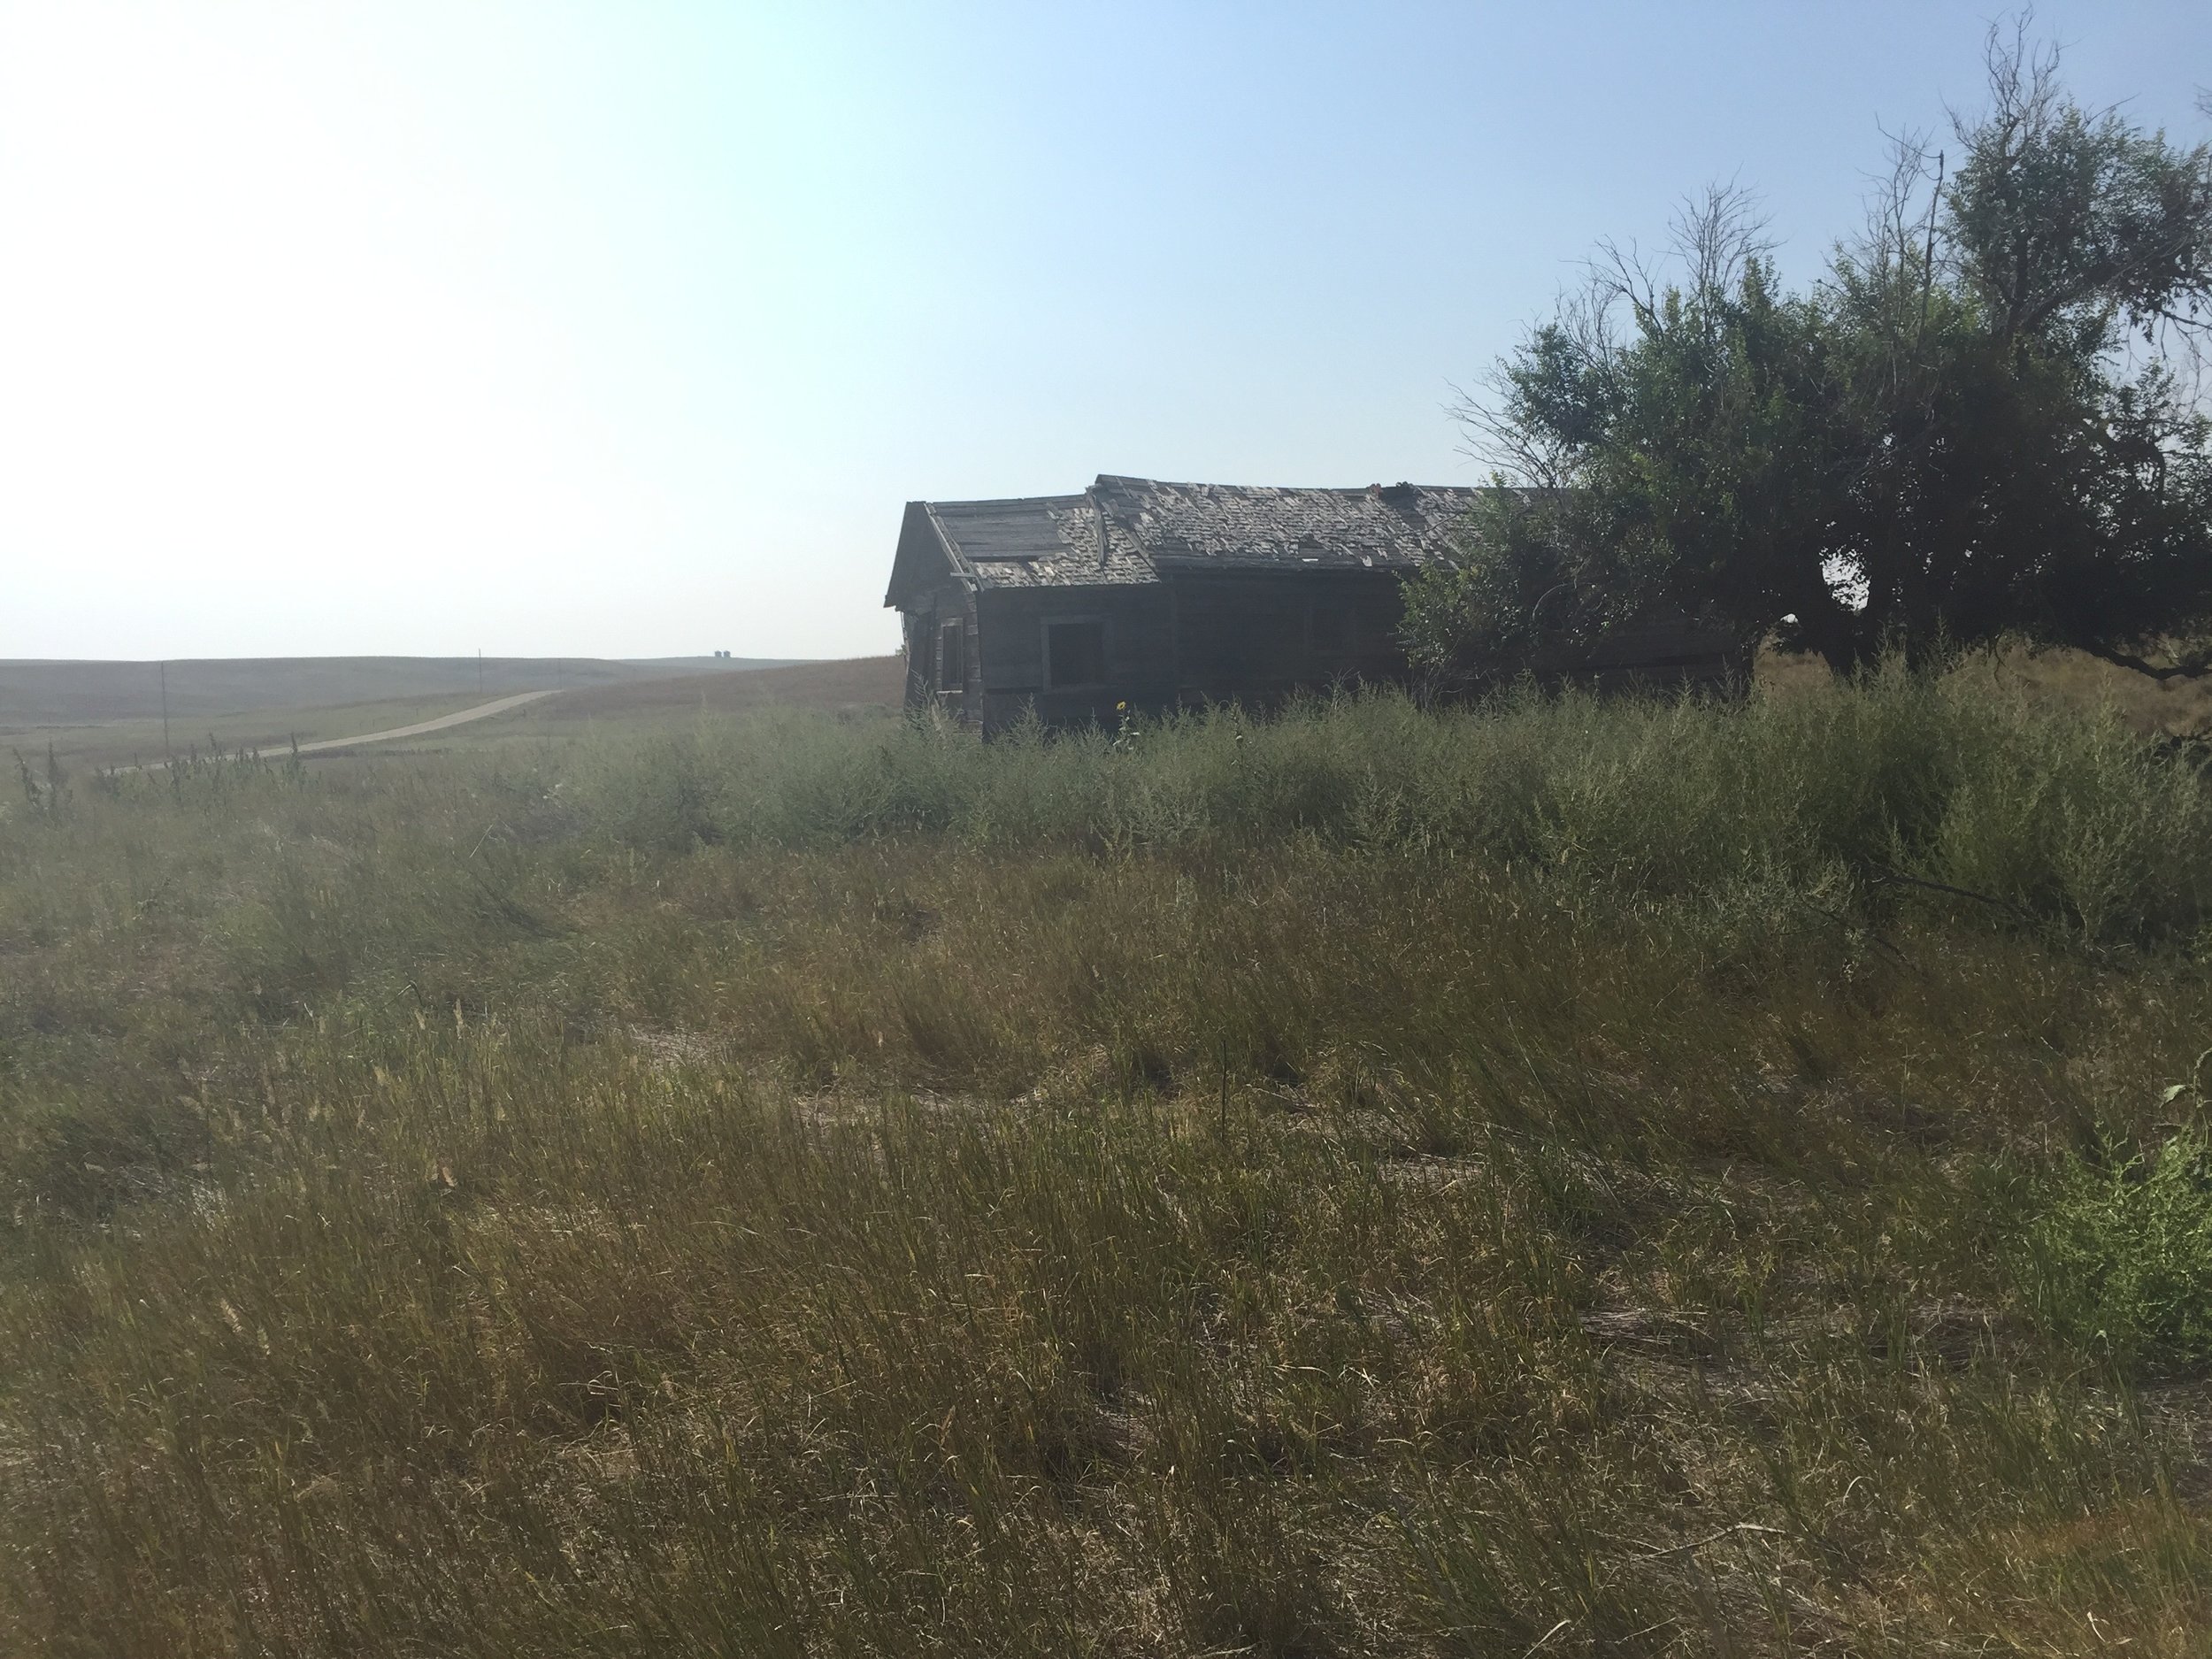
(1144, 596)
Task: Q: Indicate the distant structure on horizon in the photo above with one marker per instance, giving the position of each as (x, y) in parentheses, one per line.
(1140, 595)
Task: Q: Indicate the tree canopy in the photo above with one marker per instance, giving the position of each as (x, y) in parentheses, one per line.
(1986, 419)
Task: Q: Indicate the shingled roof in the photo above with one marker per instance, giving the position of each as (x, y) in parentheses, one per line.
(1132, 530)
(1223, 526)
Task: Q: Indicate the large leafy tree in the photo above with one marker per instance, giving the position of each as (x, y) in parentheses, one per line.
(1985, 420)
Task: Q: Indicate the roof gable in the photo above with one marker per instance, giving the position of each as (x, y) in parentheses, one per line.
(922, 560)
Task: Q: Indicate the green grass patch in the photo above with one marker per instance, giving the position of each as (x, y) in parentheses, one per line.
(2122, 1253)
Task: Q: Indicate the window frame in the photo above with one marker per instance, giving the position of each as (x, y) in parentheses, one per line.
(1103, 624)
(952, 632)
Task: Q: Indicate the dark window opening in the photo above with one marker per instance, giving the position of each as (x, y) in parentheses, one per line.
(1332, 629)
(1075, 653)
(952, 658)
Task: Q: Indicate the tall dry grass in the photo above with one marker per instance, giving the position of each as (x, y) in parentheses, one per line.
(2062, 810)
(1559, 1176)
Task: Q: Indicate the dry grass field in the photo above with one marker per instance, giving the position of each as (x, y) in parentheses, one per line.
(856, 683)
(2177, 708)
(109, 714)
(197, 689)
(1547, 1177)
(79, 746)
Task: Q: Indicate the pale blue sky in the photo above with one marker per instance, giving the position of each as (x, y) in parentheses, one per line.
(626, 329)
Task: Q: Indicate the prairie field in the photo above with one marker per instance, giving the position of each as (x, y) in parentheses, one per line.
(1551, 1177)
(96, 714)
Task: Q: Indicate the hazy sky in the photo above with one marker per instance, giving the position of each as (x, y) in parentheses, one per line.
(624, 329)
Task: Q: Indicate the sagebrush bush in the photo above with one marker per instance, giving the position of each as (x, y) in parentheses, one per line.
(2121, 1255)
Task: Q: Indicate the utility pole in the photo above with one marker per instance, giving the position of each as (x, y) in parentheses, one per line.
(167, 751)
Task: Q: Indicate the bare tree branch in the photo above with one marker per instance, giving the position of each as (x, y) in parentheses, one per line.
(2196, 665)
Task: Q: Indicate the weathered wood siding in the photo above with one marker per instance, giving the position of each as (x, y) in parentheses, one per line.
(1252, 638)
(1259, 637)
(926, 620)
(1138, 628)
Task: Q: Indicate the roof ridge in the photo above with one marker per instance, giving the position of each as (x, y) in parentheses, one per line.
(1004, 501)
(1285, 489)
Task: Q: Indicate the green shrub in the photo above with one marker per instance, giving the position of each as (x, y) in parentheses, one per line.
(2121, 1256)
